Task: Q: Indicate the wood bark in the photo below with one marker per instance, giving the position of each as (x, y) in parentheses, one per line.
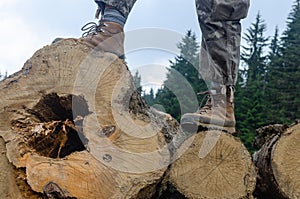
(73, 126)
(278, 163)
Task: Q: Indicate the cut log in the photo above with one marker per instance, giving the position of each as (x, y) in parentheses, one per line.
(214, 165)
(74, 126)
(8, 188)
(278, 163)
(72, 120)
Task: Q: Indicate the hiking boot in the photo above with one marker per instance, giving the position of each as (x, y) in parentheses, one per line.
(217, 113)
(106, 36)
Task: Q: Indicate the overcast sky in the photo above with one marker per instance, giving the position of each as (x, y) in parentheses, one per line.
(26, 26)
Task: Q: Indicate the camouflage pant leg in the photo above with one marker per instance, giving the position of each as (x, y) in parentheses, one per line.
(124, 6)
(221, 35)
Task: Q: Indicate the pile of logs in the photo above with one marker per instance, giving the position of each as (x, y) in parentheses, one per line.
(72, 125)
(278, 161)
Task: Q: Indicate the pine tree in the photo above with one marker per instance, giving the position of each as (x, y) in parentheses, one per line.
(137, 81)
(289, 67)
(274, 46)
(274, 108)
(149, 98)
(253, 53)
(250, 103)
(178, 95)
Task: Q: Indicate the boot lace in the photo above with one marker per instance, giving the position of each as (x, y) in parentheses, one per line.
(208, 104)
(92, 28)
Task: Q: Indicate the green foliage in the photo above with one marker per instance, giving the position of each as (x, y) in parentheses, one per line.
(178, 95)
(274, 105)
(149, 98)
(288, 67)
(250, 104)
(268, 89)
(137, 81)
(253, 53)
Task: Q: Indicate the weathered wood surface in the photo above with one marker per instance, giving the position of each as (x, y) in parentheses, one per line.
(67, 81)
(74, 126)
(215, 165)
(278, 163)
(8, 188)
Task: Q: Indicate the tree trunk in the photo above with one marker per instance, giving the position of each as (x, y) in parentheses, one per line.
(278, 163)
(74, 126)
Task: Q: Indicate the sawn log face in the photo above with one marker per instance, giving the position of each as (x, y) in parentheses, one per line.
(74, 126)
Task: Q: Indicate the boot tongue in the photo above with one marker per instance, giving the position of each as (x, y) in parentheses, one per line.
(230, 93)
(218, 95)
(223, 92)
(220, 90)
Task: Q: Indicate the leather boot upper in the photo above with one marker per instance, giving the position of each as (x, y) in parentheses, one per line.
(107, 36)
(218, 111)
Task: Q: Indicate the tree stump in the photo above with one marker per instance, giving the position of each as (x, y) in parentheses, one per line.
(74, 126)
(278, 163)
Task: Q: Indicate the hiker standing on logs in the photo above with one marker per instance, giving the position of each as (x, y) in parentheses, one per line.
(219, 22)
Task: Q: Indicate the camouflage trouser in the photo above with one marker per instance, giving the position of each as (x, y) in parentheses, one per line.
(221, 36)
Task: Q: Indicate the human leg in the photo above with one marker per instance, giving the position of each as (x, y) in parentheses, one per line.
(124, 6)
(220, 55)
(221, 35)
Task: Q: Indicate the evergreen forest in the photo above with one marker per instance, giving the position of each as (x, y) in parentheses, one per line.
(268, 88)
